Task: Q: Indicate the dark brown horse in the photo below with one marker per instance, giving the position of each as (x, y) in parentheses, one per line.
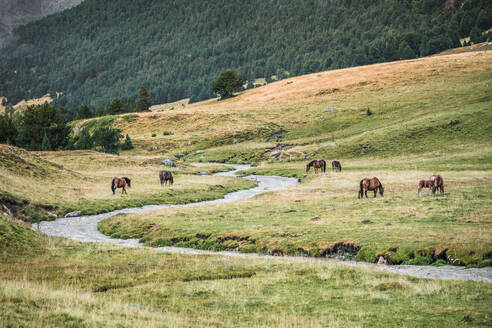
(426, 184)
(438, 182)
(166, 176)
(370, 184)
(336, 166)
(317, 164)
(120, 183)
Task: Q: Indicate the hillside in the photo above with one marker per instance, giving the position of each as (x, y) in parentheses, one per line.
(101, 50)
(434, 104)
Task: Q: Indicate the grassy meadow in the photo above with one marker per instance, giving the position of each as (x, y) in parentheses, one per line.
(427, 116)
(61, 283)
(62, 182)
(401, 121)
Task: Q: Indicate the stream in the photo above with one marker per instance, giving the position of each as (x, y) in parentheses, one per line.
(84, 228)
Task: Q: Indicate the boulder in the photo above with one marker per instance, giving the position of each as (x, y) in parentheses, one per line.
(173, 158)
(74, 214)
(382, 261)
(168, 162)
(199, 152)
(203, 173)
(330, 109)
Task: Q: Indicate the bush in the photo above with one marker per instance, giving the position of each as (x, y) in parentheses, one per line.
(127, 144)
(108, 139)
(167, 133)
(154, 135)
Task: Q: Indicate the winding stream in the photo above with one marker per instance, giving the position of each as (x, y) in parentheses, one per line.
(84, 228)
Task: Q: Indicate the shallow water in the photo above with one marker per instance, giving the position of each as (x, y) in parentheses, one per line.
(84, 228)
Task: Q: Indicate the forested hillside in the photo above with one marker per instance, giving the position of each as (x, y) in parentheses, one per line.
(100, 50)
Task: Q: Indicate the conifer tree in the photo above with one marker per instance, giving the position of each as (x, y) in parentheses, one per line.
(143, 101)
(45, 144)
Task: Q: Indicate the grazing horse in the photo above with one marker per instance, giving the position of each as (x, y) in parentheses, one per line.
(120, 183)
(166, 176)
(438, 182)
(426, 184)
(317, 164)
(370, 184)
(336, 166)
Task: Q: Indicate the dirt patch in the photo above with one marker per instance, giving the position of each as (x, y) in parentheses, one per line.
(341, 249)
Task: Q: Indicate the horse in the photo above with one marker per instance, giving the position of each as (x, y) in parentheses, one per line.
(426, 184)
(317, 164)
(120, 183)
(438, 182)
(336, 166)
(370, 184)
(166, 176)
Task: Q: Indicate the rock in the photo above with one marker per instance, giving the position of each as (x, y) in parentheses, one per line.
(179, 167)
(180, 155)
(203, 173)
(199, 152)
(234, 140)
(154, 147)
(168, 162)
(173, 158)
(74, 214)
(330, 109)
(7, 210)
(188, 143)
(51, 214)
(143, 163)
(316, 218)
(382, 261)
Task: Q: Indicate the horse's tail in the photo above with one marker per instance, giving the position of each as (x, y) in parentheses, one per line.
(361, 194)
(128, 182)
(324, 166)
(340, 167)
(112, 186)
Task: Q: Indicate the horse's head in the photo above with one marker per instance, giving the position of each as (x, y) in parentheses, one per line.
(128, 182)
(308, 166)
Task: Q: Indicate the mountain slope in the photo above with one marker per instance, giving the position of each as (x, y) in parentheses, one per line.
(101, 50)
(19, 12)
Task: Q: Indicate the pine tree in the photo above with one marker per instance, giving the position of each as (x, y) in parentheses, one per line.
(85, 140)
(115, 107)
(143, 101)
(227, 82)
(127, 144)
(45, 144)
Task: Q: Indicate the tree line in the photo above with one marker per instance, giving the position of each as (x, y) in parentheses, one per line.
(45, 127)
(101, 50)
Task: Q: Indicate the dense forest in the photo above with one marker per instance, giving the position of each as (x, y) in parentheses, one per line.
(101, 50)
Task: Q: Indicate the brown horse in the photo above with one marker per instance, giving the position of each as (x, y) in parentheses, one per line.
(370, 184)
(166, 176)
(426, 184)
(317, 164)
(336, 166)
(438, 182)
(120, 183)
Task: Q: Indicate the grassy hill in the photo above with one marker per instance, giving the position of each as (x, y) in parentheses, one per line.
(36, 188)
(175, 49)
(69, 284)
(431, 105)
(429, 116)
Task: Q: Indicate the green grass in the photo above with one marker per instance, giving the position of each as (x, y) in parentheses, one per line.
(62, 182)
(68, 284)
(400, 226)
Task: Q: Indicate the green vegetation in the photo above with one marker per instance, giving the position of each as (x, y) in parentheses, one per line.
(80, 181)
(88, 285)
(176, 49)
(227, 82)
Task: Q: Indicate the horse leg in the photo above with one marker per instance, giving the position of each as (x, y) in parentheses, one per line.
(365, 192)
(441, 189)
(375, 192)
